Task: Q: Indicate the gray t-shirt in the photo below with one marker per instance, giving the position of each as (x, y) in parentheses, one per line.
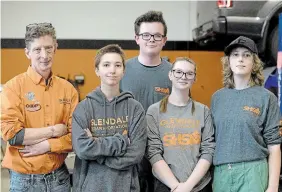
(181, 139)
(147, 84)
(246, 121)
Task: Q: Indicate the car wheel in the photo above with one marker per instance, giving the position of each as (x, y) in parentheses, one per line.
(273, 46)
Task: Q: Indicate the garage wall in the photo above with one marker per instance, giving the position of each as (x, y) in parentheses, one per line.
(83, 25)
(96, 19)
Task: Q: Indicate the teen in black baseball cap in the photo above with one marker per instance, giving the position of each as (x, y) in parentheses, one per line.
(242, 42)
(246, 119)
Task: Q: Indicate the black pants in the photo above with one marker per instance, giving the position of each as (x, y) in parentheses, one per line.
(160, 187)
(146, 178)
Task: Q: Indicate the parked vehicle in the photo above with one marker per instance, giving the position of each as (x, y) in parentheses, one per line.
(231, 18)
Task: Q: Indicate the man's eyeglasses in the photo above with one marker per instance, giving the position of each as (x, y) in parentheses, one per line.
(147, 36)
(179, 74)
(48, 25)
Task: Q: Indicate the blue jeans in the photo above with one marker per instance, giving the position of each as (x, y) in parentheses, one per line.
(56, 181)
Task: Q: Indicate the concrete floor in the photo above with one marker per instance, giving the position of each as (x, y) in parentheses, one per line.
(5, 181)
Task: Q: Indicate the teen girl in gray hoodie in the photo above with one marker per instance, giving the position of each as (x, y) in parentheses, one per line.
(108, 131)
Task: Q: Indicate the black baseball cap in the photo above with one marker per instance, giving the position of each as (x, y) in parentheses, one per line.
(241, 42)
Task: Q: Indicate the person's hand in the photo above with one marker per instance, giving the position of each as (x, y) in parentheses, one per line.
(89, 134)
(36, 149)
(59, 130)
(182, 187)
(124, 133)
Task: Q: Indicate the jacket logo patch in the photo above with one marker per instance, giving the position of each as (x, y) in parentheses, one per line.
(33, 107)
(64, 101)
(30, 96)
(254, 110)
(162, 90)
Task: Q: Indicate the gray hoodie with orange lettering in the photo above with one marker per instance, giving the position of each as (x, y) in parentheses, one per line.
(181, 139)
(108, 160)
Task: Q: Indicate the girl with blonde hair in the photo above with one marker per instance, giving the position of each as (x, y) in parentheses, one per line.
(180, 142)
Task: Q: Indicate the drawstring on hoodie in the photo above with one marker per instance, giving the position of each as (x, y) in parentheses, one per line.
(127, 112)
(115, 103)
(115, 108)
(115, 113)
(105, 114)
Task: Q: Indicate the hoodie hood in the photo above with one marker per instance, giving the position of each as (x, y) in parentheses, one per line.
(100, 97)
